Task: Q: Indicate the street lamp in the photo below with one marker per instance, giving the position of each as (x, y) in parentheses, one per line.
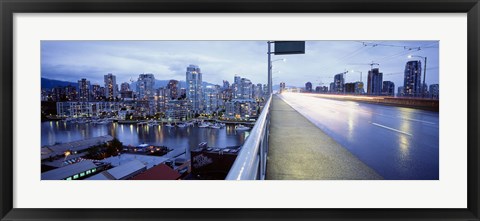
(358, 72)
(270, 67)
(424, 70)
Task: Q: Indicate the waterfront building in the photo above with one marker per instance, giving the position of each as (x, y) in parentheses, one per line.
(121, 172)
(412, 79)
(194, 88)
(265, 89)
(76, 171)
(435, 91)
(308, 87)
(145, 86)
(84, 90)
(339, 82)
(111, 87)
(162, 98)
(388, 88)
(332, 87)
(240, 109)
(374, 83)
(211, 99)
(86, 109)
(177, 110)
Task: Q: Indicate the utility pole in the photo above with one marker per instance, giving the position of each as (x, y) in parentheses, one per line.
(269, 67)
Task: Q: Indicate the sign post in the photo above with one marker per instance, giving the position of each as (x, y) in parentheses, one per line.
(282, 48)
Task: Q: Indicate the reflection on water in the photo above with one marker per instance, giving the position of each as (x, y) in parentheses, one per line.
(172, 137)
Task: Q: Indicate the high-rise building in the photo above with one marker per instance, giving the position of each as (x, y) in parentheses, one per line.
(84, 90)
(194, 88)
(374, 82)
(412, 79)
(308, 87)
(226, 85)
(145, 86)
(98, 92)
(125, 86)
(162, 99)
(177, 110)
(111, 87)
(401, 91)
(388, 88)
(339, 83)
(435, 91)
(172, 86)
(246, 91)
(211, 99)
(258, 92)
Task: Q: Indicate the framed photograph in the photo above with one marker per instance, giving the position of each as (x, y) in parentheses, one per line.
(253, 110)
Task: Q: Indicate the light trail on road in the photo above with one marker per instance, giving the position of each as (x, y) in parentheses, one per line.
(399, 143)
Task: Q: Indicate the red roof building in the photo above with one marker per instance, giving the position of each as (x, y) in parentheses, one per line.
(159, 172)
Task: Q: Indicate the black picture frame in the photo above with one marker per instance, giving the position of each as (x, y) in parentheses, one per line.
(9, 7)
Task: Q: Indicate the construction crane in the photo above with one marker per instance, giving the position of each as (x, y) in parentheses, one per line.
(370, 64)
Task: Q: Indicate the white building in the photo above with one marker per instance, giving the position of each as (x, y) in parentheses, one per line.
(194, 88)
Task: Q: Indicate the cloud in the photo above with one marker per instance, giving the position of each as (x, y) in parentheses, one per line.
(221, 60)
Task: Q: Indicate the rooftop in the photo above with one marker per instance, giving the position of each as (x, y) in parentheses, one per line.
(159, 172)
(68, 171)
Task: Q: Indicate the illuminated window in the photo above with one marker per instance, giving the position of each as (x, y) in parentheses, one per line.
(69, 178)
(75, 176)
(93, 170)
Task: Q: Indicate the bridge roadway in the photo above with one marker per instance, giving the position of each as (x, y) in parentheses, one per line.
(299, 150)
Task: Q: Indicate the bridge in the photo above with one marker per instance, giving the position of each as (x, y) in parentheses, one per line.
(293, 139)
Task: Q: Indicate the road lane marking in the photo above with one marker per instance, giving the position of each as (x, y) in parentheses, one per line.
(421, 121)
(393, 129)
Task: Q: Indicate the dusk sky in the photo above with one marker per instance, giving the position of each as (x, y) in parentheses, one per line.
(221, 60)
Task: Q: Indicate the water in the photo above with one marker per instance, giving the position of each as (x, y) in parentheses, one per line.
(130, 134)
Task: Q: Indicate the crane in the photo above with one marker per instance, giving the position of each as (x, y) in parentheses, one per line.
(371, 64)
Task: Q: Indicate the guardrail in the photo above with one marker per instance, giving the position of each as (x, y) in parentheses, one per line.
(251, 162)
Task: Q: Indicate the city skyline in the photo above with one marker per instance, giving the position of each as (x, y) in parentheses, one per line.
(74, 60)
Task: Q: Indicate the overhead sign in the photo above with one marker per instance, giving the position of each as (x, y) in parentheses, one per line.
(289, 47)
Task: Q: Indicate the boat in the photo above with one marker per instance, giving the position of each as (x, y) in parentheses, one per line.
(215, 126)
(152, 123)
(181, 125)
(204, 125)
(169, 125)
(241, 127)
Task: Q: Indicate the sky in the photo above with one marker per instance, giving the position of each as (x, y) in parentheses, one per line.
(222, 60)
